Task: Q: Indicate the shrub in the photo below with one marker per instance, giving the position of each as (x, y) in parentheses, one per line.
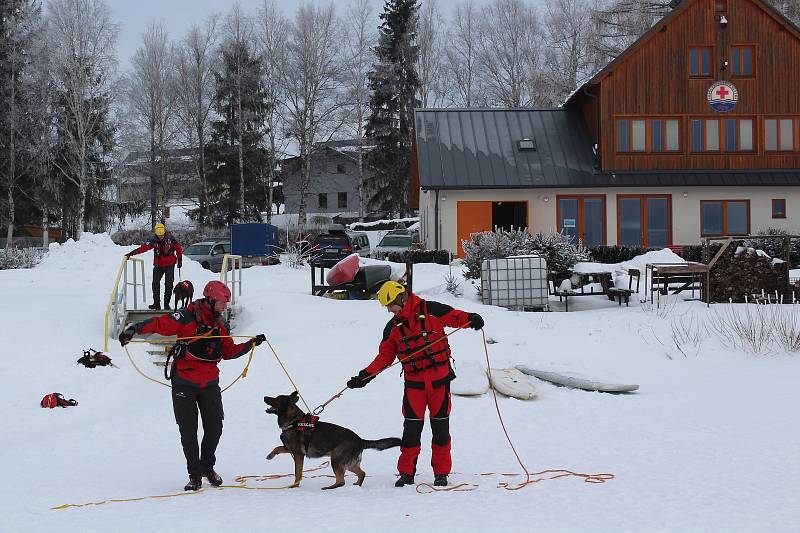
(559, 250)
(20, 257)
(440, 257)
(773, 241)
(615, 254)
(184, 236)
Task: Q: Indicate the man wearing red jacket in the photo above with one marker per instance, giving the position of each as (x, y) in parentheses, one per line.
(195, 375)
(167, 253)
(418, 323)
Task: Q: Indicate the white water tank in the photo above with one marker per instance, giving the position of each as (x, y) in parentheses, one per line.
(516, 282)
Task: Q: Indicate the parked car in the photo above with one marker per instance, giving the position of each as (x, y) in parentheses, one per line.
(394, 241)
(337, 243)
(209, 253)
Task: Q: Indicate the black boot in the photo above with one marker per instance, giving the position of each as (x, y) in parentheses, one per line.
(195, 482)
(404, 479)
(167, 297)
(156, 305)
(440, 480)
(213, 477)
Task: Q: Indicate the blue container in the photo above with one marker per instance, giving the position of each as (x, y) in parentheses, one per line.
(254, 239)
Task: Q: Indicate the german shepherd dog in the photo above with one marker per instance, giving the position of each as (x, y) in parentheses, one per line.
(183, 291)
(343, 446)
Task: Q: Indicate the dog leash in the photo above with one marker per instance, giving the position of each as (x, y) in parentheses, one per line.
(410, 357)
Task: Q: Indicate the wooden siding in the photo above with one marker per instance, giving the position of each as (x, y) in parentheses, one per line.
(653, 81)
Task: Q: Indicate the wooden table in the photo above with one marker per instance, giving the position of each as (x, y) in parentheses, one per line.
(688, 274)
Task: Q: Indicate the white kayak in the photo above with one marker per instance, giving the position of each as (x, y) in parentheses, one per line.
(512, 382)
(471, 380)
(576, 382)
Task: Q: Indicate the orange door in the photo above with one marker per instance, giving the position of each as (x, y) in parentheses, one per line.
(472, 217)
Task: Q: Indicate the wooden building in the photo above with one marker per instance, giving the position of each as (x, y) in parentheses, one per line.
(693, 131)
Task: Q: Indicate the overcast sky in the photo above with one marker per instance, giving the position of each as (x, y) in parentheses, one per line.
(133, 16)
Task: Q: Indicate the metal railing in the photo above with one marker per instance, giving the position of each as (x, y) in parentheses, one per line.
(235, 269)
(118, 300)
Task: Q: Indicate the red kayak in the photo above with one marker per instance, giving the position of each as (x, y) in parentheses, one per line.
(343, 271)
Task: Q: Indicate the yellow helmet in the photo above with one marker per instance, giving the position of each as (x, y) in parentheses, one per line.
(159, 229)
(389, 291)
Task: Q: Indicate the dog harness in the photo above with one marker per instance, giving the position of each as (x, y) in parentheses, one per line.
(306, 424)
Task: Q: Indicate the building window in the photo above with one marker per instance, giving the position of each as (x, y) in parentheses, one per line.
(779, 208)
(742, 60)
(340, 169)
(779, 134)
(700, 61)
(648, 135)
(342, 200)
(322, 200)
(582, 217)
(729, 135)
(738, 135)
(724, 217)
(644, 220)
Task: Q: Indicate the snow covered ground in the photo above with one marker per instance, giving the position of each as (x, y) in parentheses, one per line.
(709, 443)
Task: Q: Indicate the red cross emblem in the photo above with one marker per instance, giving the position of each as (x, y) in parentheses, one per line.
(722, 92)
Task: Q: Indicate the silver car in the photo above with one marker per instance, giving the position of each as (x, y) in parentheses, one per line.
(208, 253)
(394, 241)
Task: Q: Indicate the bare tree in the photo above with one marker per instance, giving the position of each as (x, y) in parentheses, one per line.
(568, 35)
(509, 53)
(82, 39)
(361, 39)
(461, 51)
(312, 81)
(618, 23)
(151, 97)
(272, 34)
(429, 60)
(239, 38)
(194, 90)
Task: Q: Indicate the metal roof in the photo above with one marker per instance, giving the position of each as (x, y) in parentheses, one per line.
(479, 148)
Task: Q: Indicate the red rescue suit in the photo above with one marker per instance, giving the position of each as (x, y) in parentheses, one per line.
(198, 366)
(167, 251)
(427, 376)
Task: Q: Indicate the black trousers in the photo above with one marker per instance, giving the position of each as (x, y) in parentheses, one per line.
(169, 279)
(186, 401)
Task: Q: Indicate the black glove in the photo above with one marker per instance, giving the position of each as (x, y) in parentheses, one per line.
(180, 264)
(258, 339)
(126, 335)
(475, 321)
(356, 382)
(128, 255)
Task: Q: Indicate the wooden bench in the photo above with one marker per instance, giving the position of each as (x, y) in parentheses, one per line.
(621, 294)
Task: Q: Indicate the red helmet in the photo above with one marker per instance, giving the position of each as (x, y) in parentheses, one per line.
(217, 291)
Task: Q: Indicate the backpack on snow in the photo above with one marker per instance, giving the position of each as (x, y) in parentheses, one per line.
(55, 399)
(92, 358)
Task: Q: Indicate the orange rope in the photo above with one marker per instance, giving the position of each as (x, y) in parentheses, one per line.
(588, 478)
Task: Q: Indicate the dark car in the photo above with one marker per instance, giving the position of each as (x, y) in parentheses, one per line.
(337, 243)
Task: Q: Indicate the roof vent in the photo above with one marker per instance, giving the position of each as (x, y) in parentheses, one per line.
(526, 144)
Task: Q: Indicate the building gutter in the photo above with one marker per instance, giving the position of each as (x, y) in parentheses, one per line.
(436, 221)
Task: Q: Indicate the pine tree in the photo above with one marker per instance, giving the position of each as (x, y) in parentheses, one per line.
(394, 84)
(224, 178)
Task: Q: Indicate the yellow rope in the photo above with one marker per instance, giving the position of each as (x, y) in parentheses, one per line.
(242, 374)
(308, 409)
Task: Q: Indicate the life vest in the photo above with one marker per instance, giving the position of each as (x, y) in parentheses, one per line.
(435, 353)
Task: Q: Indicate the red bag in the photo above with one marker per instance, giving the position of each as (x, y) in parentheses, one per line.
(55, 399)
